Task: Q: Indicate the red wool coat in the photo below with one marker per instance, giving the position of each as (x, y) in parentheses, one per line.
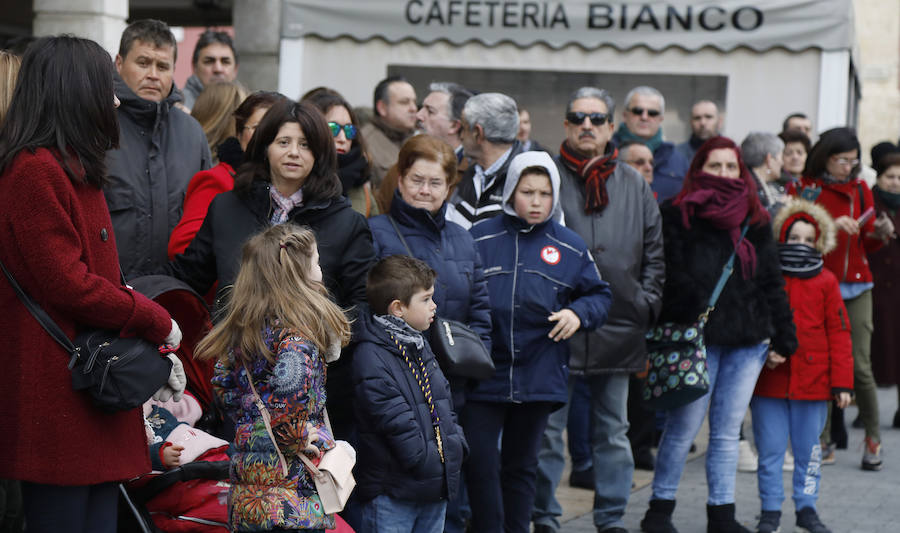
(56, 239)
(823, 362)
(848, 261)
(204, 186)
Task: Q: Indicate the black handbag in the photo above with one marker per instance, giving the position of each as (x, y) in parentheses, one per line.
(678, 374)
(120, 373)
(458, 349)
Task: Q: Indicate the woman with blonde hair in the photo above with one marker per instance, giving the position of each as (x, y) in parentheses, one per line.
(279, 331)
(9, 71)
(214, 110)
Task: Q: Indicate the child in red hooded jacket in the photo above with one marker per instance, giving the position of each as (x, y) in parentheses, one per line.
(792, 395)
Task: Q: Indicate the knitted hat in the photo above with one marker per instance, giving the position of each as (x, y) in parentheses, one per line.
(797, 210)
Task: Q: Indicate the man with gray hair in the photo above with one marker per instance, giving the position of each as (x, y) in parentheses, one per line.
(612, 208)
(642, 120)
(441, 113)
(763, 155)
(490, 122)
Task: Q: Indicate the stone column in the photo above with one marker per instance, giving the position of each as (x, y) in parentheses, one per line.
(100, 20)
(257, 34)
(878, 33)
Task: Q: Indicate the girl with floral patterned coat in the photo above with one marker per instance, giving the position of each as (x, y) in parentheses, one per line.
(279, 332)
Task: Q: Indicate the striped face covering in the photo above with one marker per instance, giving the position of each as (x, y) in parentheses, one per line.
(799, 260)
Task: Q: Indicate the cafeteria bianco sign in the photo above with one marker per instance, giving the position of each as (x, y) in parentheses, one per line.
(722, 24)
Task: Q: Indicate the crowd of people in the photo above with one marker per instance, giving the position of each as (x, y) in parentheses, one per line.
(327, 239)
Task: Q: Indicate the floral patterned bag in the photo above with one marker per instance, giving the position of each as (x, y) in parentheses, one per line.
(677, 354)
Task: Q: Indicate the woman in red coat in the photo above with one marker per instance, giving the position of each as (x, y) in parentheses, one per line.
(57, 242)
(830, 179)
(884, 264)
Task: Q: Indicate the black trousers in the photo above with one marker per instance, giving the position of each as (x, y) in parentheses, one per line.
(78, 509)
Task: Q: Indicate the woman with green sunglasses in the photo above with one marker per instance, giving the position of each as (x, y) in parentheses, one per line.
(353, 162)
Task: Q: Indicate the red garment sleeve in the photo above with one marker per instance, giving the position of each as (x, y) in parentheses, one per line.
(201, 190)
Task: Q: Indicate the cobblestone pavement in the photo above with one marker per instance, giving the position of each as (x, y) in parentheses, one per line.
(851, 500)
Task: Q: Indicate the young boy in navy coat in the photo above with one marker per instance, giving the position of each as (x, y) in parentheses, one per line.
(410, 447)
(543, 287)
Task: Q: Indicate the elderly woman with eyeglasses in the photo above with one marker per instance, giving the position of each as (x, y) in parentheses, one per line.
(831, 179)
(353, 161)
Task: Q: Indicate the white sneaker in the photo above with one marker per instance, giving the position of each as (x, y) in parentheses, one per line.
(788, 465)
(747, 459)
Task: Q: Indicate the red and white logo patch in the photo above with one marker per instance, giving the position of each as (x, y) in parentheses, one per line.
(550, 255)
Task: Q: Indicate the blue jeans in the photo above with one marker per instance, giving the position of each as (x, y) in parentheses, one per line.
(501, 483)
(732, 377)
(613, 463)
(578, 425)
(76, 509)
(384, 514)
(774, 420)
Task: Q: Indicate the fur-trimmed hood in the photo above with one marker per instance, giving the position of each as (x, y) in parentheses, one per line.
(826, 231)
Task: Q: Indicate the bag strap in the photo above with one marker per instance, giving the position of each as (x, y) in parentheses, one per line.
(267, 419)
(723, 278)
(52, 329)
(397, 229)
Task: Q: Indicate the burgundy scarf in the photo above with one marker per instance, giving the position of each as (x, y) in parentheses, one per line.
(723, 203)
(594, 172)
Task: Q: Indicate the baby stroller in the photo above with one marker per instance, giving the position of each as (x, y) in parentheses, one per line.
(190, 497)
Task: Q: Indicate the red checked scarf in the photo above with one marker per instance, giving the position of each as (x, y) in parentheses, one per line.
(594, 172)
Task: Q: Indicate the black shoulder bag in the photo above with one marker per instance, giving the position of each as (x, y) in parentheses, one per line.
(458, 349)
(120, 373)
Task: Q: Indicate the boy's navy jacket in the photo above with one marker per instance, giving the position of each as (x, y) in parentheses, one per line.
(397, 452)
(460, 291)
(533, 271)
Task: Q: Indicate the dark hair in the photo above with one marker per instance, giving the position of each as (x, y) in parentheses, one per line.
(324, 99)
(794, 136)
(887, 161)
(210, 37)
(756, 212)
(458, 94)
(833, 141)
(532, 170)
(784, 125)
(381, 91)
(151, 31)
(397, 277)
(879, 152)
(322, 181)
(63, 101)
(251, 104)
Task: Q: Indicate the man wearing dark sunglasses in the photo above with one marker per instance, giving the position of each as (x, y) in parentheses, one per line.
(611, 207)
(643, 115)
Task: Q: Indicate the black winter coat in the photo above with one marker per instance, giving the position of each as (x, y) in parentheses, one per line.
(397, 452)
(749, 310)
(345, 254)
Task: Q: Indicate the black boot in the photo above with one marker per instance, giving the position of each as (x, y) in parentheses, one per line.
(659, 517)
(720, 519)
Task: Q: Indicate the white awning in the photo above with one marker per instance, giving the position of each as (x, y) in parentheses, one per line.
(690, 25)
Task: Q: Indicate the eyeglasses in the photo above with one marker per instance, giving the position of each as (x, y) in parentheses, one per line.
(349, 130)
(846, 162)
(639, 111)
(640, 162)
(577, 117)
